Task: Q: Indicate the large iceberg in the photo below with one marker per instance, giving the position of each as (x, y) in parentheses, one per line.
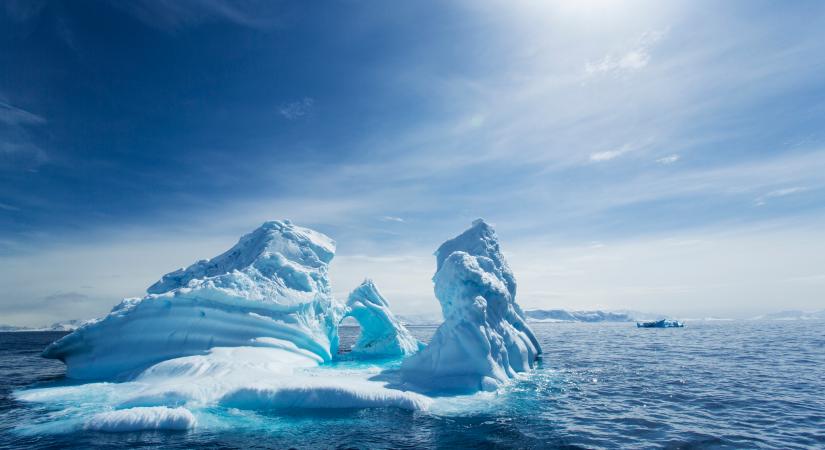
(484, 340)
(382, 334)
(270, 290)
(257, 328)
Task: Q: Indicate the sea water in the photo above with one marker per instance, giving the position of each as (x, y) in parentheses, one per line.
(743, 384)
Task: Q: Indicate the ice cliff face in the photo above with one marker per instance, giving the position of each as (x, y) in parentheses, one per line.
(382, 334)
(484, 339)
(269, 290)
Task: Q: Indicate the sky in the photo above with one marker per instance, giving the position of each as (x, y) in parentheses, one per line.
(666, 157)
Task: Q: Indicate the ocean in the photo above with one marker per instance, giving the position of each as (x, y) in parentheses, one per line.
(737, 384)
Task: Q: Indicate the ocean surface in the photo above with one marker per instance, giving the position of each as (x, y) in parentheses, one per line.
(709, 385)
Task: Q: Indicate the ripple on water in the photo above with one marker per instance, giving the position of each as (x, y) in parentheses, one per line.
(710, 385)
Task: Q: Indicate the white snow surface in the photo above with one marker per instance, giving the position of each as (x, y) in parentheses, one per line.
(272, 284)
(484, 340)
(382, 334)
(142, 418)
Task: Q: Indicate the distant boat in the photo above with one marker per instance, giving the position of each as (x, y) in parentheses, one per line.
(664, 323)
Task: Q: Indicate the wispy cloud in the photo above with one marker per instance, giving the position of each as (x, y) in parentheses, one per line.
(610, 154)
(633, 59)
(784, 192)
(297, 109)
(392, 219)
(12, 115)
(670, 159)
(18, 149)
(7, 207)
(172, 15)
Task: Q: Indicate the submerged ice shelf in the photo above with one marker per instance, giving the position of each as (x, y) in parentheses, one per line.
(256, 328)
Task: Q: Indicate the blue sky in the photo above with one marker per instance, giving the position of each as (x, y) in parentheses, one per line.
(661, 156)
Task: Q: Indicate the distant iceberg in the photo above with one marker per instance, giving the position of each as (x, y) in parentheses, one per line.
(66, 325)
(664, 323)
(484, 340)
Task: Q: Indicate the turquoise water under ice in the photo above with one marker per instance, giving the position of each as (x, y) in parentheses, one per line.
(709, 385)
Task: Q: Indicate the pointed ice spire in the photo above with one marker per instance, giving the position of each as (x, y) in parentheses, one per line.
(484, 340)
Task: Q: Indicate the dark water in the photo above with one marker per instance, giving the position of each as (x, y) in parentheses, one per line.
(710, 385)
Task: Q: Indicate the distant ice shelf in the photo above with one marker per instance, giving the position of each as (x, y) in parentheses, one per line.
(561, 315)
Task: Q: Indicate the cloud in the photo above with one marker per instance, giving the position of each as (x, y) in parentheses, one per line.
(7, 207)
(12, 115)
(784, 192)
(610, 154)
(762, 200)
(631, 60)
(526, 167)
(296, 109)
(172, 15)
(732, 272)
(392, 219)
(670, 159)
(18, 149)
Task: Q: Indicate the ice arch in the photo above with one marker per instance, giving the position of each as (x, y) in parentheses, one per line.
(382, 334)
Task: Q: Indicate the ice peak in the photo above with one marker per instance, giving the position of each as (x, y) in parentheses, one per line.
(367, 291)
(278, 241)
(478, 240)
(269, 289)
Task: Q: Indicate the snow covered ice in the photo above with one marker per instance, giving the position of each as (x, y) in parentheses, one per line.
(142, 418)
(484, 340)
(272, 284)
(382, 334)
(256, 328)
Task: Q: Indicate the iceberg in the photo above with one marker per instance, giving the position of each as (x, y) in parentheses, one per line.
(382, 334)
(664, 323)
(256, 328)
(484, 340)
(252, 328)
(269, 290)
